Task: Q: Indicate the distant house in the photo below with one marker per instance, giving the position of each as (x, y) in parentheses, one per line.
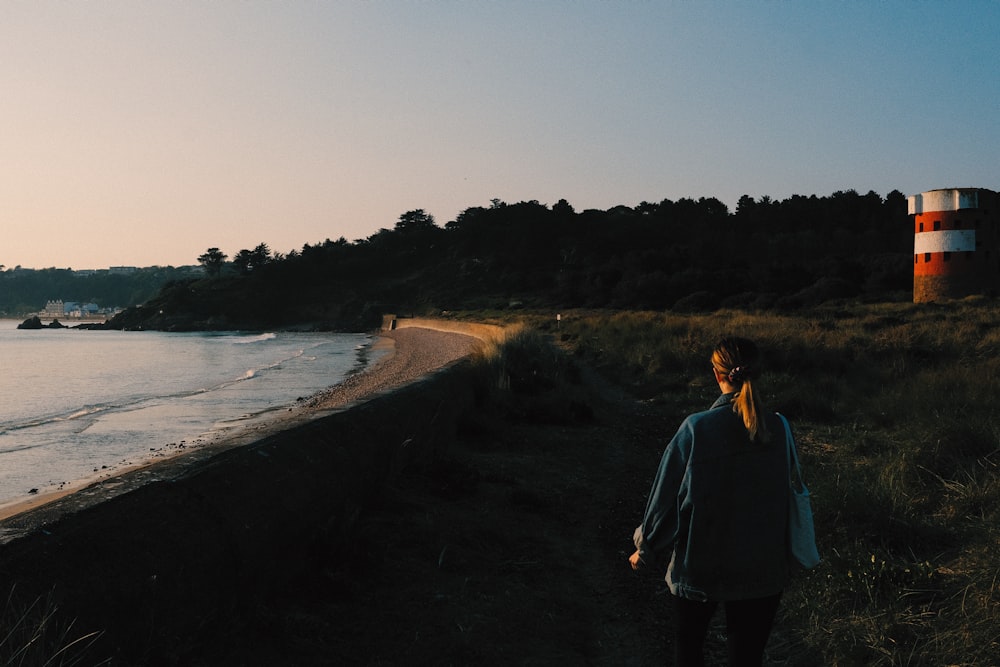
(85, 310)
(58, 309)
(54, 309)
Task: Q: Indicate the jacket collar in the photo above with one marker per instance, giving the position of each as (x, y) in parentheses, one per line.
(725, 399)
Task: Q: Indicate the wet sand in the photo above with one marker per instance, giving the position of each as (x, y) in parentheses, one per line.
(410, 353)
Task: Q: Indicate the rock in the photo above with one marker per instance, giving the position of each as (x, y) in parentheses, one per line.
(35, 322)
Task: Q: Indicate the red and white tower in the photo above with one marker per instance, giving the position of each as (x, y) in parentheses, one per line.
(956, 243)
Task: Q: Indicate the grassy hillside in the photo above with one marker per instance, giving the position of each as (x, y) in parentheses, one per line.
(894, 410)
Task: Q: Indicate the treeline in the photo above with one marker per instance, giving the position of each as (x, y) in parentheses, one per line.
(683, 255)
(24, 291)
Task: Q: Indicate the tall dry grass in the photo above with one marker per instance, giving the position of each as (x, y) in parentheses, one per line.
(34, 633)
(895, 410)
(528, 378)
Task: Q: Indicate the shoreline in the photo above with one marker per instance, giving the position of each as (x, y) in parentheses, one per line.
(409, 353)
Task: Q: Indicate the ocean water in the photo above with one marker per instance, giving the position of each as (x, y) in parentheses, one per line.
(74, 403)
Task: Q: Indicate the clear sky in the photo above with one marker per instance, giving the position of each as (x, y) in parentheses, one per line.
(143, 133)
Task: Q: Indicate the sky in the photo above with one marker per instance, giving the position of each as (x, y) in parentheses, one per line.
(143, 133)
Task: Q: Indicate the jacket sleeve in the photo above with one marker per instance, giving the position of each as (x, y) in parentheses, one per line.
(656, 536)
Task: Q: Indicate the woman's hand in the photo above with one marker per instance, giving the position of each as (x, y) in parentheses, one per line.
(635, 561)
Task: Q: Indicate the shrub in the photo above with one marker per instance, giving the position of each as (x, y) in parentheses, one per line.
(528, 376)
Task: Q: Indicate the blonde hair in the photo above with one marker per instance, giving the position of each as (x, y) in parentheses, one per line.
(738, 360)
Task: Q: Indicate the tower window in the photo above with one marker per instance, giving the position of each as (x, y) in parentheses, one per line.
(937, 225)
(947, 256)
(927, 257)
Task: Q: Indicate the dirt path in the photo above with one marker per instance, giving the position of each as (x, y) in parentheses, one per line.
(510, 550)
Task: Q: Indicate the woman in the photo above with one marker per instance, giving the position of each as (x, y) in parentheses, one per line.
(719, 508)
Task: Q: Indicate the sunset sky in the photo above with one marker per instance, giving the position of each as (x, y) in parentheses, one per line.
(142, 133)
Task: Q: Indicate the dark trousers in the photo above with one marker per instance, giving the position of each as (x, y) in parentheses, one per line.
(748, 625)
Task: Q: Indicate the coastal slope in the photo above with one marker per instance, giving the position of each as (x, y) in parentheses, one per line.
(224, 525)
(417, 527)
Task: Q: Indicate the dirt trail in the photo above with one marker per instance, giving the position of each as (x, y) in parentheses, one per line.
(510, 550)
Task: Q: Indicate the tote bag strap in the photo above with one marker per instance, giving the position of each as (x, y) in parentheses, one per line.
(801, 532)
(794, 469)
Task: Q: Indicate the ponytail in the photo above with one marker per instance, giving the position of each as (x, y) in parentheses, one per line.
(738, 359)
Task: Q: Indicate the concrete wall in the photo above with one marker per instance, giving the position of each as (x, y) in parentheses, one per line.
(156, 567)
(484, 332)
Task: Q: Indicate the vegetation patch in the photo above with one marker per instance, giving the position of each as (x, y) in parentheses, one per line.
(894, 409)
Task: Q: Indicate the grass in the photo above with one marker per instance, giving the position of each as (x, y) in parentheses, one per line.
(894, 407)
(522, 368)
(35, 634)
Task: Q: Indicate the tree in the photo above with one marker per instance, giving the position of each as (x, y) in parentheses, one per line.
(247, 261)
(413, 221)
(212, 261)
(745, 205)
(563, 208)
(260, 256)
(243, 260)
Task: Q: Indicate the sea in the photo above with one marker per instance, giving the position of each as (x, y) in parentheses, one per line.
(77, 403)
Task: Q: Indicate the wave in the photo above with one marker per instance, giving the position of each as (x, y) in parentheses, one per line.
(85, 411)
(41, 420)
(252, 373)
(248, 340)
(19, 447)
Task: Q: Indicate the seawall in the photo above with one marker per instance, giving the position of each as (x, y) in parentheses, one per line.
(154, 568)
(488, 333)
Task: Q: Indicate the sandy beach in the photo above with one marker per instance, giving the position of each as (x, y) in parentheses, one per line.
(409, 353)
(415, 351)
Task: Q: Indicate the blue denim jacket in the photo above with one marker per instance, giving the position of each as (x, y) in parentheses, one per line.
(719, 506)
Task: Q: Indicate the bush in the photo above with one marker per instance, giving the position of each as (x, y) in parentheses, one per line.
(529, 377)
